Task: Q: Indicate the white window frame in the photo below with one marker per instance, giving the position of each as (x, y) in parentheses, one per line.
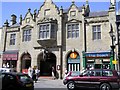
(12, 38)
(51, 33)
(73, 33)
(96, 34)
(26, 36)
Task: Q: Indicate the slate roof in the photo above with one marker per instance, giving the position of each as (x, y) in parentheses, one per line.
(66, 10)
(98, 14)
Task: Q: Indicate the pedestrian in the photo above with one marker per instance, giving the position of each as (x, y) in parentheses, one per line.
(37, 71)
(30, 72)
(34, 75)
(53, 72)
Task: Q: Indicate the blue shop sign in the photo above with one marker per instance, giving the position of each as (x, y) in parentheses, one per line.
(98, 55)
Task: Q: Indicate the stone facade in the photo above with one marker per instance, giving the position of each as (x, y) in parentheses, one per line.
(58, 44)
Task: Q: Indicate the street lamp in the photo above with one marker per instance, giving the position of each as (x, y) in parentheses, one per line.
(113, 39)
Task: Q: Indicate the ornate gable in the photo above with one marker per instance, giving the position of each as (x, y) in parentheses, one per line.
(27, 26)
(45, 20)
(74, 21)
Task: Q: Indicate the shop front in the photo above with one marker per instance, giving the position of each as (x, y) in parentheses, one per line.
(10, 59)
(97, 60)
(73, 62)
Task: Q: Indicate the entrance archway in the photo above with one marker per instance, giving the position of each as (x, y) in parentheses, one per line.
(25, 62)
(45, 64)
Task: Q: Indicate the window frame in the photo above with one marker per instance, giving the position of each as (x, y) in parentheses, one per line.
(12, 38)
(48, 33)
(73, 31)
(26, 35)
(96, 32)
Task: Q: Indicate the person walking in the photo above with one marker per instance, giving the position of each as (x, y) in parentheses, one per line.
(30, 72)
(37, 71)
(34, 75)
(53, 72)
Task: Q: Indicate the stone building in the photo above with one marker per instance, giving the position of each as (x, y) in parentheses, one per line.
(71, 39)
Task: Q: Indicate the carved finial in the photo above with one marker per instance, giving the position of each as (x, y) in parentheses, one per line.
(29, 9)
(86, 1)
(20, 19)
(73, 1)
(35, 10)
(6, 23)
(61, 7)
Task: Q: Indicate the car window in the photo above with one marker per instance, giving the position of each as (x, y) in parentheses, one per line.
(23, 77)
(107, 73)
(2, 75)
(85, 73)
(74, 73)
(9, 77)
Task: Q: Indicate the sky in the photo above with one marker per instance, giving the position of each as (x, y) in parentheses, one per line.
(9, 7)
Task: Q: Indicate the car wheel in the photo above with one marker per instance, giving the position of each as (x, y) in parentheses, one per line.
(71, 85)
(105, 86)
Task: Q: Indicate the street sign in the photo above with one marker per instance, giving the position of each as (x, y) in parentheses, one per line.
(115, 62)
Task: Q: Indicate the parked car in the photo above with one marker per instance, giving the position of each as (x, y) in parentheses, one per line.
(102, 79)
(16, 81)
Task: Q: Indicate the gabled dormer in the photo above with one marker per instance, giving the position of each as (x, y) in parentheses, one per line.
(73, 11)
(28, 17)
(48, 9)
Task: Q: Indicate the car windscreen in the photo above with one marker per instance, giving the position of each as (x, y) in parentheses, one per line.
(24, 78)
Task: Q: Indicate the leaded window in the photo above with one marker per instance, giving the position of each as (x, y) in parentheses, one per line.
(72, 30)
(27, 35)
(44, 31)
(12, 39)
(96, 32)
(47, 31)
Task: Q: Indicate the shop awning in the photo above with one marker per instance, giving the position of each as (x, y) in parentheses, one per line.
(10, 55)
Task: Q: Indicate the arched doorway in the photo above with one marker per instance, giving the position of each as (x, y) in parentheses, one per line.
(25, 62)
(45, 64)
(73, 61)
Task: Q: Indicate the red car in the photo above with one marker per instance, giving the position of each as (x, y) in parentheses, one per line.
(102, 79)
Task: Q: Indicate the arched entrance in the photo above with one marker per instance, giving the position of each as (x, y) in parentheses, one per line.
(25, 62)
(45, 64)
(73, 61)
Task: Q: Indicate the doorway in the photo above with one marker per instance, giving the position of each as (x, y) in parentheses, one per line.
(45, 64)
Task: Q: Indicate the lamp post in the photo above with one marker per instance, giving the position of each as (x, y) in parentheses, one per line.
(118, 45)
(113, 39)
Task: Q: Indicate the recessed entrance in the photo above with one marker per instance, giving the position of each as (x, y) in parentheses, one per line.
(25, 62)
(45, 64)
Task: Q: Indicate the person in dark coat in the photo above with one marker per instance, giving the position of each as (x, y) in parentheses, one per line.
(34, 76)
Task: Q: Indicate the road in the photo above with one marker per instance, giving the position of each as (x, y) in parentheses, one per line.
(49, 84)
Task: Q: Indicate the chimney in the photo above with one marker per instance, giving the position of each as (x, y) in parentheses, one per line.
(13, 19)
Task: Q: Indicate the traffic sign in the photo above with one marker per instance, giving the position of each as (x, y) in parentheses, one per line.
(115, 62)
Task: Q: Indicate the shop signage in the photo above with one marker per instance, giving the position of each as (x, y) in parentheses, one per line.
(10, 56)
(98, 55)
